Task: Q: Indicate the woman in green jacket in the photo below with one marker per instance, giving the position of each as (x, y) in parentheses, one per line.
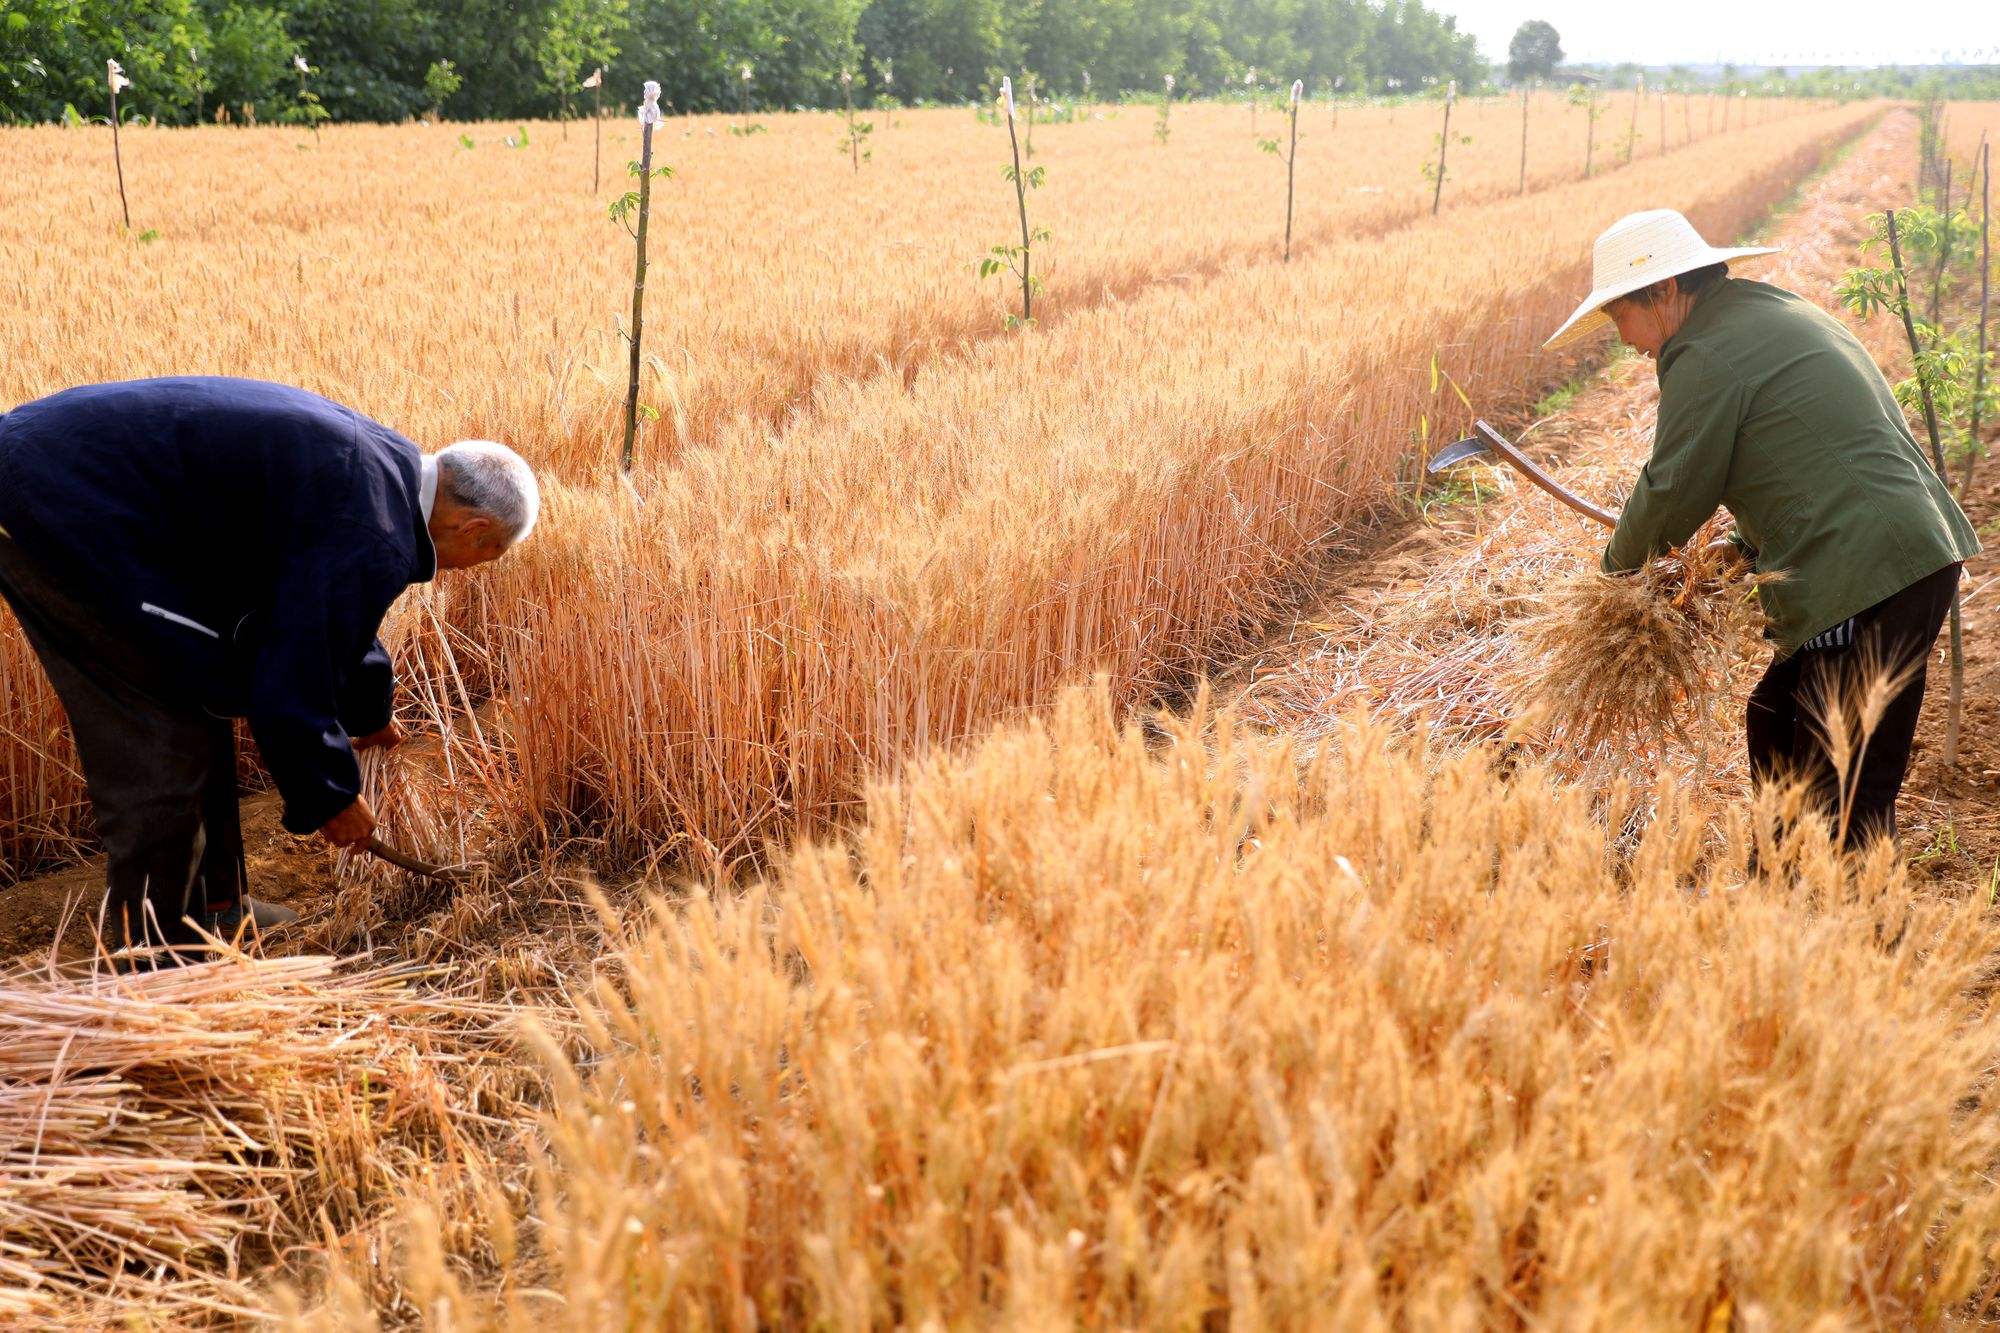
(1771, 408)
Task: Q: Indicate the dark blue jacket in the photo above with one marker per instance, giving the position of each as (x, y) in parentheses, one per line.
(251, 535)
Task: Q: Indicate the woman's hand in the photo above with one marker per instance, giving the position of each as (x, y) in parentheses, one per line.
(1731, 553)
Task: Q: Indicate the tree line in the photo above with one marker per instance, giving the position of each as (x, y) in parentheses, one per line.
(389, 60)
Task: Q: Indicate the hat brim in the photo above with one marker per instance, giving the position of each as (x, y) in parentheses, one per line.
(1589, 317)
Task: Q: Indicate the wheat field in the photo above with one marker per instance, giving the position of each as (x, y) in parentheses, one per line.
(476, 290)
(942, 527)
(963, 991)
(1082, 1030)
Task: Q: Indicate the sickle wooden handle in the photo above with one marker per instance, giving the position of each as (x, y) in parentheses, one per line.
(1505, 448)
(397, 857)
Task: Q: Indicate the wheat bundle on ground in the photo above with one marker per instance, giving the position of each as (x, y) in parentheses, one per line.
(161, 1134)
(1612, 659)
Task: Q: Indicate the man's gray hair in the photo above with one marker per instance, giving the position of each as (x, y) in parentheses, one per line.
(491, 479)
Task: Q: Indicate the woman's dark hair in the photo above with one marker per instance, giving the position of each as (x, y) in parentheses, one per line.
(1692, 283)
(1698, 280)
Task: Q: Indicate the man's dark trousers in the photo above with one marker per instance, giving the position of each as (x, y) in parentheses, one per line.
(1783, 723)
(161, 773)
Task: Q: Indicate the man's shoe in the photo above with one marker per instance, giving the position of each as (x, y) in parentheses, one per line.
(262, 916)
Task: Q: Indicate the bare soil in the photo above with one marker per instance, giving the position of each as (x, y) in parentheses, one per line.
(283, 869)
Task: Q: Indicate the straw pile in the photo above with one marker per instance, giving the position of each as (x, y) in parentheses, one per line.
(163, 1135)
(1613, 660)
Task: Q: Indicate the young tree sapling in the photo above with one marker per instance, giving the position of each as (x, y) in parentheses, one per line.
(1435, 171)
(596, 85)
(1017, 259)
(1980, 383)
(639, 202)
(114, 75)
(1524, 141)
(311, 111)
(1866, 290)
(857, 130)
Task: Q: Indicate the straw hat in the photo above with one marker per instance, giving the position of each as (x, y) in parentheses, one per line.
(1636, 251)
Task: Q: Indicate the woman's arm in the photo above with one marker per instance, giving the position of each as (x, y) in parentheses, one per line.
(1701, 406)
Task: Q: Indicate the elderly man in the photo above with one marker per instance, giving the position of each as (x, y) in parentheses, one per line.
(181, 552)
(1770, 407)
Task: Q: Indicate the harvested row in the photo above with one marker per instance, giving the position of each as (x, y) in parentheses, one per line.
(908, 563)
(1433, 629)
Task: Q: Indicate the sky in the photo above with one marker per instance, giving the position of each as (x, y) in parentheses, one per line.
(1743, 31)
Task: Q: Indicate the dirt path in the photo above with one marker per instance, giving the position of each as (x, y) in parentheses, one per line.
(1423, 625)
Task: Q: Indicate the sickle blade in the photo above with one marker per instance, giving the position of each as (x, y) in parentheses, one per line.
(1458, 452)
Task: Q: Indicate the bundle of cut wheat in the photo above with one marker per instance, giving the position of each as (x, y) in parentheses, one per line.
(1611, 660)
(161, 1135)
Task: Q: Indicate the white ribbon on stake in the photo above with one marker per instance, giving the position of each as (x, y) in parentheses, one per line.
(114, 74)
(299, 64)
(649, 109)
(596, 79)
(1298, 90)
(1007, 98)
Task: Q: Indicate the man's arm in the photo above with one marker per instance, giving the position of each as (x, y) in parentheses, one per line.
(1701, 406)
(368, 693)
(329, 605)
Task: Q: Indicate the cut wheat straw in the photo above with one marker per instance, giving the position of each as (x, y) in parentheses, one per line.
(1611, 659)
(162, 1134)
